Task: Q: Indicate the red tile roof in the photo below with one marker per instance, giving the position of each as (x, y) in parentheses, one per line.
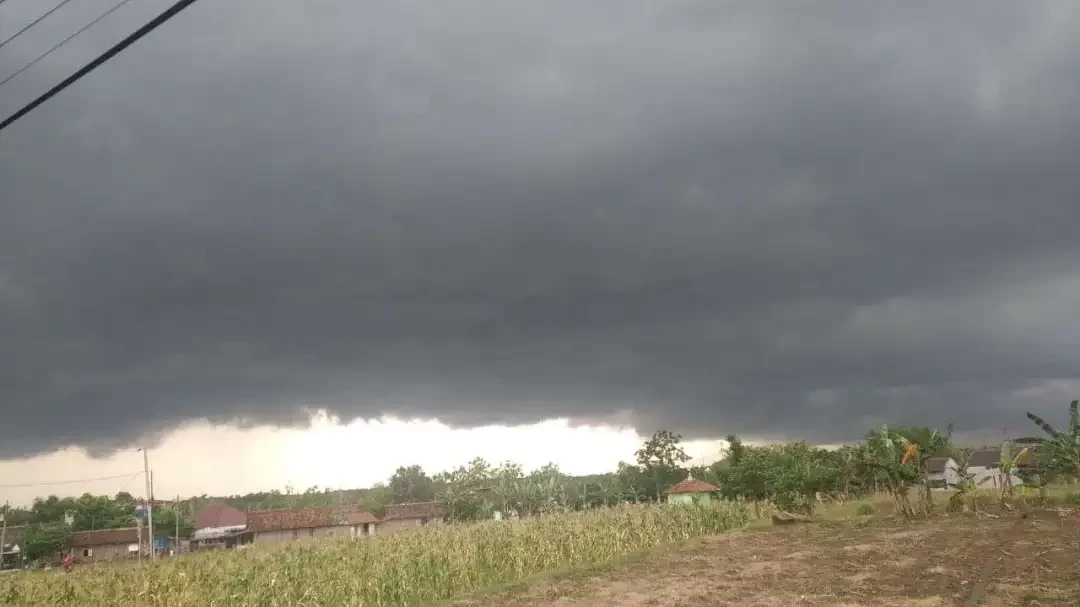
(219, 515)
(359, 517)
(306, 518)
(692, 485)
(103, 537)
(417, 510)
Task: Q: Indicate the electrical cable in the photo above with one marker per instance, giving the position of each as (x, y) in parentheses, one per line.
(34, 22)
(71, 482)
(150, 26)
(57, 46)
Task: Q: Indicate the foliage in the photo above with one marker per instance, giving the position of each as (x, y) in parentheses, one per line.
(792, 476)
(165, 520)
(965, 483)
(425, 566)
(1008, 464)
(1059, 453)
(44, 540)
(923, 444)
(661, 458)
(885, 454)
(411, 484)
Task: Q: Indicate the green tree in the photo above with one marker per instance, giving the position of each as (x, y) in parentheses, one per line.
(631, 482)
(1059, 454)
(45, 540)
(165, 520)
(735, 450)
(466, 490)
(411, 484)
(662, 457)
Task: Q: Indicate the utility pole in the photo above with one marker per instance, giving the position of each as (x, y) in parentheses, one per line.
(149, 502)
(176, 515)
(3, 532)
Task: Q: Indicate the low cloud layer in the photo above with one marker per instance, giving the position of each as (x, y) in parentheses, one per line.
(709, 216)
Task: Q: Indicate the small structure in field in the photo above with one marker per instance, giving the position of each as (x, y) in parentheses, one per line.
(400, 517)
(691, 491)
(106, 544)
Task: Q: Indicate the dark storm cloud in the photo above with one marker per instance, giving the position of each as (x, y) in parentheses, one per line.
(752, 217)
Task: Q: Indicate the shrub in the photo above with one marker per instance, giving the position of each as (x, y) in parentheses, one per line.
(866, 510)
(1073, 498)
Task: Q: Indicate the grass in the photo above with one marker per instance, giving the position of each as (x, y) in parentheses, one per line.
(422, 567)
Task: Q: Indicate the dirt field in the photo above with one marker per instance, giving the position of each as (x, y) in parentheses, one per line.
(951, 560)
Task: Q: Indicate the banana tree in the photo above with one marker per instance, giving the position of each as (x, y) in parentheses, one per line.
(1059, 454)
(930, 443)
(893, 459)
(1008, 465)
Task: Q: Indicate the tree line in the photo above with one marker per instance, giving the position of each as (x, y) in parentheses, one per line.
(793, 476)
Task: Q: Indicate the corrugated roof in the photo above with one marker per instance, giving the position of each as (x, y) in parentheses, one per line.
(984, 458)
(415, 510)
(13, 534)
(306, 518)
(219, 515)
(103, 537)
(692, 485)
(991, 458)
(937, 465)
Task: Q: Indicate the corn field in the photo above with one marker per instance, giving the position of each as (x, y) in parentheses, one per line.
(416, 568)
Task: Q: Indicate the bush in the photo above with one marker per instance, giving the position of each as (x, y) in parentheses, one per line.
(866, 510)
(1073, 498)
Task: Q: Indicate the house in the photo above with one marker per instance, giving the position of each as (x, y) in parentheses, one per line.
(985, 465)
(11, 547)
(941, 472)
(105, 544)
(299, 523)
(691, 491)
(401, 517)
(221, 526)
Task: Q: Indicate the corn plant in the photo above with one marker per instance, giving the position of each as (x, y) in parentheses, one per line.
(429, 565)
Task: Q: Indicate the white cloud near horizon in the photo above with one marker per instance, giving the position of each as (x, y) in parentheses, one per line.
(201, 458)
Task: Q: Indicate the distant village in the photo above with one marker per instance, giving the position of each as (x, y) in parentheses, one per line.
(220, 526)
(480, 492)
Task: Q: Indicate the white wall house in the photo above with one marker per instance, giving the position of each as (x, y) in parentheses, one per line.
(984, 465)
(941, 471)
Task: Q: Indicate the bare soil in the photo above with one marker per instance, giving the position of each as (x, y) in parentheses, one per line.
(957, 560)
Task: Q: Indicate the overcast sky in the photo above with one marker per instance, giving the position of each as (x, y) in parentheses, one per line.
(772, 218)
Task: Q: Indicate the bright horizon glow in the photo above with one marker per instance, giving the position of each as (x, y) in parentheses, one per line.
(201, 458)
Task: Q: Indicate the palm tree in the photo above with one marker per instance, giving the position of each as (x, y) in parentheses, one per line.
(1060, 452)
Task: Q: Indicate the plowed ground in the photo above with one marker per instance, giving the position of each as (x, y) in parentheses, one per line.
(956, 560)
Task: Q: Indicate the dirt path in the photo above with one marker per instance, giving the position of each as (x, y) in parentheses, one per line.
(944, 562)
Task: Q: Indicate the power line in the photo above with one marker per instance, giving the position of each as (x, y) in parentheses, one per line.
(57, 46)
(153, 24)
(72, 482)
(34, 22)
